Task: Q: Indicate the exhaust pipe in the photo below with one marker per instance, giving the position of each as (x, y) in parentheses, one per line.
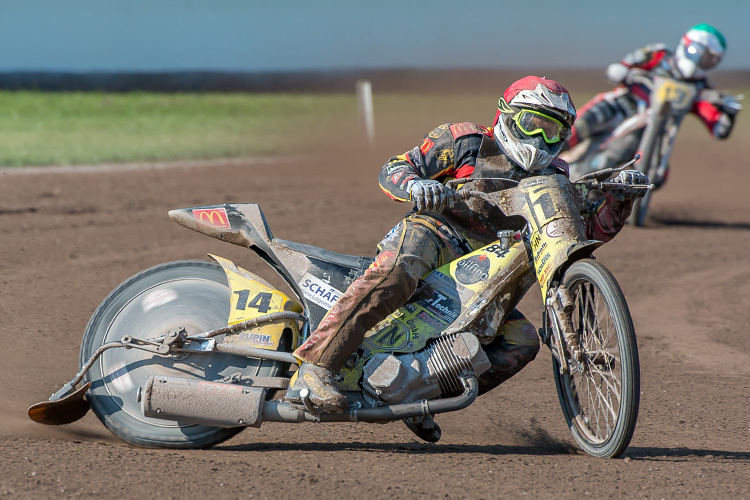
(228, 405)
(201, 402)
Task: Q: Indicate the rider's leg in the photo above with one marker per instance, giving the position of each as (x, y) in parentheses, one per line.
(515, 345)
(409, 252)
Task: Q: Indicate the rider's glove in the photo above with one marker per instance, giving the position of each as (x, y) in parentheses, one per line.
(723, 126)
(628, 179)
(430, 195)
(616, 73)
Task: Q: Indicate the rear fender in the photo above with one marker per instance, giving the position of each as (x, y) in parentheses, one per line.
(252, 297)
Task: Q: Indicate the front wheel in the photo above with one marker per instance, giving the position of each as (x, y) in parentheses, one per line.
(193, 295)
(640, 210)
(600, 400)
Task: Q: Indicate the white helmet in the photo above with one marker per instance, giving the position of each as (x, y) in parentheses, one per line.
(534, 118)
(700, 50)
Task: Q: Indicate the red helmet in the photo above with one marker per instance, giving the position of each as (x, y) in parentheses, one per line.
(534, 118)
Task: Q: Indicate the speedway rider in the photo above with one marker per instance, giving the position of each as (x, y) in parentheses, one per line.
(534, 117)
(700, 50)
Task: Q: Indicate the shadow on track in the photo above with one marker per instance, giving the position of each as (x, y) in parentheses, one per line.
(548, 448)
(646, 453)
(409, 448)
(672, 221)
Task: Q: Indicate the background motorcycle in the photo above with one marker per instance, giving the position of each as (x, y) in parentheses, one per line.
(159, 369)
(651, 133)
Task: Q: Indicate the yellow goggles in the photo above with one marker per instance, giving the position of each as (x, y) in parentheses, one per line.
(533, 122)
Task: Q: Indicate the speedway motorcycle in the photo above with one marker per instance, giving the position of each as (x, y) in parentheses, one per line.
(651, 133)
(186, 354)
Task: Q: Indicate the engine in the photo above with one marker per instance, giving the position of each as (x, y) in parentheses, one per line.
(426, 374)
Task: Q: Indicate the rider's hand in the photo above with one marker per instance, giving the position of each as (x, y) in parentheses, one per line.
(616, 73)
(629, 179)
(430, 195)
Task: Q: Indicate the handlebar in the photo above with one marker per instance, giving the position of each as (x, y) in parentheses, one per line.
(617, 185)
(467, 193)
(604, 174)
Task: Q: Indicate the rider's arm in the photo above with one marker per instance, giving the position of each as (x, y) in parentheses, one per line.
(606, 217)
(645, 59)
(447, 151)
(718, 119)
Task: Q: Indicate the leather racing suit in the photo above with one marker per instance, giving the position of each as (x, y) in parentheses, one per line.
(423, 242)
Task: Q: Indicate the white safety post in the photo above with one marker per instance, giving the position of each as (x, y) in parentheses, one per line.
(364, 101)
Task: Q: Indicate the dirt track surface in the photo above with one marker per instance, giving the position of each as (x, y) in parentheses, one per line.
(67, 238)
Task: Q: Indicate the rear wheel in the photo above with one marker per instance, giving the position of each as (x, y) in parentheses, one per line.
(600, 402)
(185, 294)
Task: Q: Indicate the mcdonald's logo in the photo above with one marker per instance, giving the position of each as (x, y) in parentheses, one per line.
(466, 128)
(216, 217)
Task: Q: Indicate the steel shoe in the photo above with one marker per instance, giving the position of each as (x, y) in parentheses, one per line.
(425, 428)
(322, 389)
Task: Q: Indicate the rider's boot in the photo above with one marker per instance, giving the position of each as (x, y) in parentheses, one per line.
(424, 427)
(322, 389)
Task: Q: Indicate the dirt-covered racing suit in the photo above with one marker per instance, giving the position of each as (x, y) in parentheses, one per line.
(608, 109)
(423, 242)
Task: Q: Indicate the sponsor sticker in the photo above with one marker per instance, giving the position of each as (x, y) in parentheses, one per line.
(466, 128)
(554, 229)
(256, 338)
(216, 217)
(473, 269)
(430, 320)
(444, 283)
(438, 131)
(426, 145)
(319, 292)
(442, 306)
(394, 336)
(445, 156)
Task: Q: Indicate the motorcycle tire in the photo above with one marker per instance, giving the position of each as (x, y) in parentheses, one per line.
(600, 403)
(640, 210)
(640, 205)
(184, 294)
(651, 159)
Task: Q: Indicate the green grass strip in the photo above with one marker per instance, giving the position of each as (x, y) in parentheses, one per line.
(41, 128)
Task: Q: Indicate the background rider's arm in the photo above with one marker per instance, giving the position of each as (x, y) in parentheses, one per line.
(645, 59)
(448, 151)
(717, 118)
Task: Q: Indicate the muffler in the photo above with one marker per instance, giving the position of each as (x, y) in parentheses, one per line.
(201, 402)
(227, 405)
